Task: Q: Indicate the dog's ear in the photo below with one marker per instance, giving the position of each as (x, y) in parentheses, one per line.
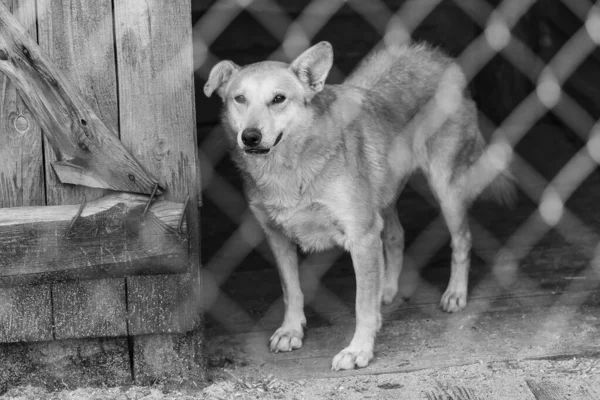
(218, 77)
(312, 66)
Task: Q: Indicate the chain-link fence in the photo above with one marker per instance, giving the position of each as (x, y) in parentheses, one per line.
(531, 67)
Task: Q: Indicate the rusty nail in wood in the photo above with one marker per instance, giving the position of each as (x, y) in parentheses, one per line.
(150, 199)
(185, 204)
(74, 219)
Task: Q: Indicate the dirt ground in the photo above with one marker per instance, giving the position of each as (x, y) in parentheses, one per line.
(580, 377)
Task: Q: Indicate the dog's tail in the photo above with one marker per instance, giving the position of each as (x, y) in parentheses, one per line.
(490, 178)
(502, 189)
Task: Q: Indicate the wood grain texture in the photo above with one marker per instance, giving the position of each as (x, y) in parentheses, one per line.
(84, 142)
(157, 117)
(156, 93)
(77, 36)
(26, 313)
(21, 167)
(67, 31)
(109, 238)
(82, 309)
(161, 303)
(156, 99)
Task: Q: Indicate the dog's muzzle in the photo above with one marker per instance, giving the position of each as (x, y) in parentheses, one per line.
(251, 138)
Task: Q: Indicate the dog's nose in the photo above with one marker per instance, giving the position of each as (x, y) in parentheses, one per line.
(251, 137)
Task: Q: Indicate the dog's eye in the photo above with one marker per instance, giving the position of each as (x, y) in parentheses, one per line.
(278, 99)
(240, 99)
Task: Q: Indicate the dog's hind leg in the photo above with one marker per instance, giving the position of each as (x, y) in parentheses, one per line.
(393, 245)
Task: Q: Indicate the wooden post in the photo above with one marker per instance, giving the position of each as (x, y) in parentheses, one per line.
(156, 99)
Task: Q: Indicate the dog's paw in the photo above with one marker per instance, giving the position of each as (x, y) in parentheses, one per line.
(390, 289)
(286, 339)
(351, 358)
(454, 299)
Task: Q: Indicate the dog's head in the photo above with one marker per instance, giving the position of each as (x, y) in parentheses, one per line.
(266, 101)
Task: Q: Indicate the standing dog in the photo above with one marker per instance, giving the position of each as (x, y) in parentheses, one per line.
(323, 165)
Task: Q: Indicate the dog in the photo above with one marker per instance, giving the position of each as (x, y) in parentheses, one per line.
(323, 166)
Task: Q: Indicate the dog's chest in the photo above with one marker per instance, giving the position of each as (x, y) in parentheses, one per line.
(313, 226)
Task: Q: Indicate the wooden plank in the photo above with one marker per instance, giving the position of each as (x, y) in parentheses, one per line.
(156, 99)
(90, 152)
(548, 390)
(161, 304)
(156, 93)
(91, 69)
(109, 238)
(82, 309)
(21, 166)
(26, 313)
(77, 36)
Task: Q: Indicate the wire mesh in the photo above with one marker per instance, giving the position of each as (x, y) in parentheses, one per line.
(500, 40)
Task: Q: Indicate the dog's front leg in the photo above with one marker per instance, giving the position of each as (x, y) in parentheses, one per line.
(289, 336)
(367, 257)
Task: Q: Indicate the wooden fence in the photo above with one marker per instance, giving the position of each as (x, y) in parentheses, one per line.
(97, 101)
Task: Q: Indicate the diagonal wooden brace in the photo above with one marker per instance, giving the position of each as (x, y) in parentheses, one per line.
(89, 152)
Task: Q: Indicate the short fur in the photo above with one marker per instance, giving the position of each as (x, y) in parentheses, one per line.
(333, 159)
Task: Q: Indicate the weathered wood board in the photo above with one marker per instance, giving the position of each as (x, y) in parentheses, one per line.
(22, 177)
(157, 120)
(89, 151)
(110, 237)
(161, 303)
(66, 30)
(26, 313)
(157, 113)
(76, 306)
(70, 83)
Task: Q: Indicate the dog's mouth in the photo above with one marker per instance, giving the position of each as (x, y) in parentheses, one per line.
(257, 151)
(262, 150)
